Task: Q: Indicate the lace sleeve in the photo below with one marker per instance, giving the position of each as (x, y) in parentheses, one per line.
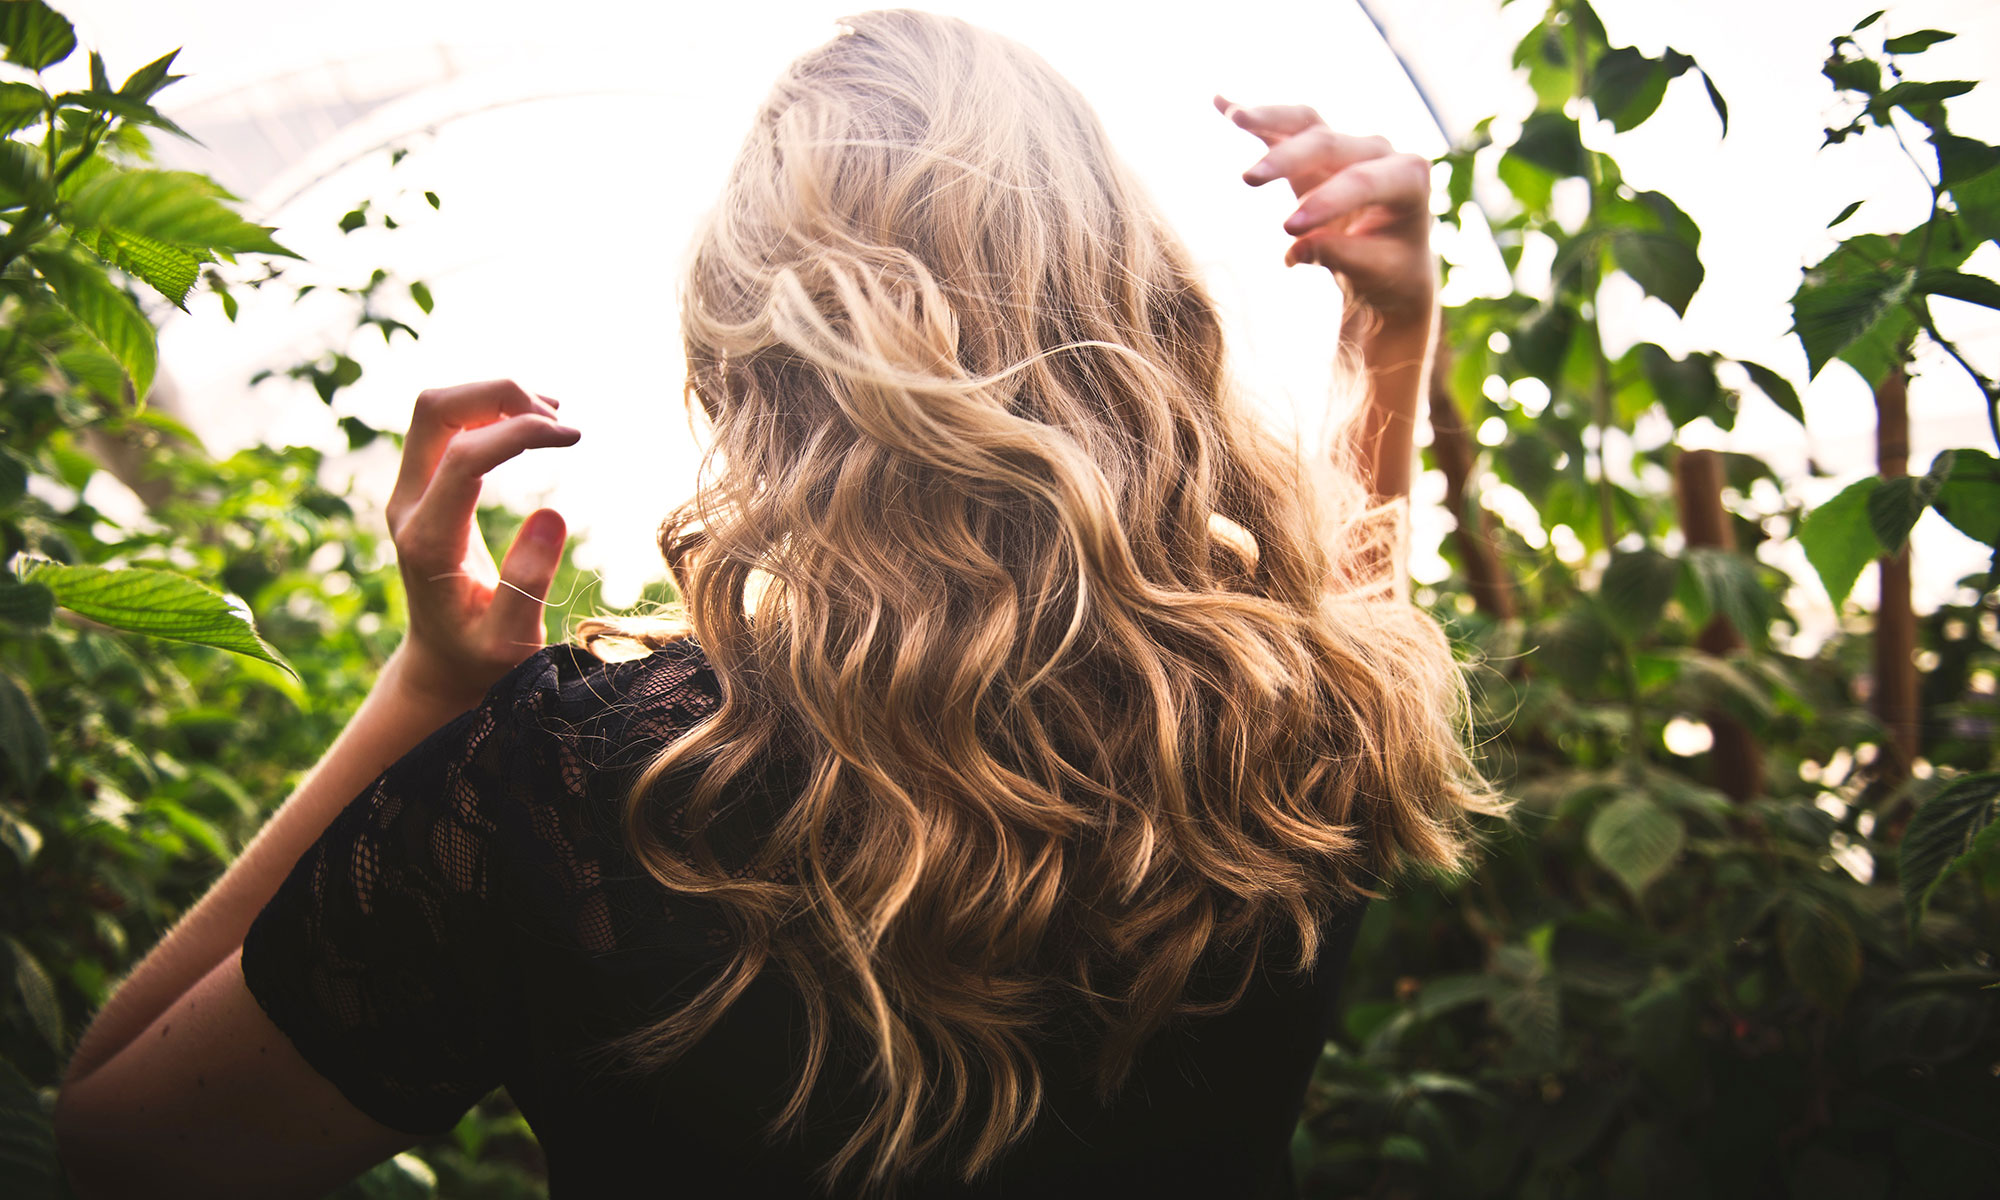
(382, 955)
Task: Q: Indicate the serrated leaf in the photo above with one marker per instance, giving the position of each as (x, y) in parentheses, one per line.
(22, 735)
(177, 207)
(104, 311)
(1830, 316)
(1941, 836)
(1777, 388)
(1635, 839)
(1970, 497)
(24, 177)
(1532, 1015)
(1895, 505)
(38, 994)
(1838, 541)
(1635, 589)
(36, 36)
(1820, 950)
(111, 104)
(158, 604)
(149, 80)
(1916, 43)
(1927, 1027)
(168, 270)
(1664, 265)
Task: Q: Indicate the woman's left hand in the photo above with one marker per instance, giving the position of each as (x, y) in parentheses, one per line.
(1364, 209)
(470, 623)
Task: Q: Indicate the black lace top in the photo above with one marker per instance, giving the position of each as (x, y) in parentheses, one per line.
(472, 921)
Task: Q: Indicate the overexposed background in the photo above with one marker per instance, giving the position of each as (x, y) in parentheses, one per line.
(572, 160)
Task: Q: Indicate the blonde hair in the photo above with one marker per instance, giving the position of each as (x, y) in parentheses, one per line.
(989, 549)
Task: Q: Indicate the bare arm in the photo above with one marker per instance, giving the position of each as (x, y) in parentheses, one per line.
(217, 1101)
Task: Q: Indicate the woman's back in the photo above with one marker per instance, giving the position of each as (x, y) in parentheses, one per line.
(543, 937)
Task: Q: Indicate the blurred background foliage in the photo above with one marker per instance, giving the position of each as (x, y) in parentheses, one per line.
(1738, 941)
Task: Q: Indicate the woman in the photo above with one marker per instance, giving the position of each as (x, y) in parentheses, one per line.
(999, 822)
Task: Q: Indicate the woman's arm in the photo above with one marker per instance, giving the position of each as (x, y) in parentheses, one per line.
(1364, 214)
(470, 623)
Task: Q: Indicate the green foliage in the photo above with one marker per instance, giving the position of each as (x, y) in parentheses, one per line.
(1668, 978)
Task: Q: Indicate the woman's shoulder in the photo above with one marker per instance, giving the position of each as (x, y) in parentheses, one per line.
(607, 711)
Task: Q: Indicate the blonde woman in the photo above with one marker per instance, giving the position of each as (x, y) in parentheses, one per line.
(998, 819)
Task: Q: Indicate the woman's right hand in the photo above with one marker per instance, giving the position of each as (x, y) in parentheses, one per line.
(1364, 209)
(470, 622)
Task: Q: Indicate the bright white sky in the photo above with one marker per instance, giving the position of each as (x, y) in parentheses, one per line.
(573, 161)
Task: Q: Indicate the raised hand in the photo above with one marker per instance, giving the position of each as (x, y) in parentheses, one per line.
(470, 623)
(1364, 209)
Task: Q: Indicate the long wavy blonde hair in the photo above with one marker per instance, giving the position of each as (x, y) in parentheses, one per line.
(1078, 697)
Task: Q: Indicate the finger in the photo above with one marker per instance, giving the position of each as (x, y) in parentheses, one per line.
(527, 572)
(439, 415)
(445, 511)
(1272, 122)
(1309, 159)
(1399, 182)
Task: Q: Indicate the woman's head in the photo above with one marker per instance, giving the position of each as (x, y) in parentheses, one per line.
(991, 553)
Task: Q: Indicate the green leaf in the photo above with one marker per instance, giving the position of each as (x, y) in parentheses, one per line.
(1916, 43)
(111, 104)
(1727, 585)
(1970, 497)
(26, 603)
(13, 477)
(1845, 213)
(1870, 19)
(1962, 158)
(421, 293)
(20, 106)
(1551, 141)
(432, 199)
(1830, 316)
(168, 270)
(159, 604)
(1687, 387)
(179, 207)
(354, 220)
(1944, 833)
(103, 310)
(1978, 201)
(149, 80)
(24, 175)
(36, 36)
(38, 994)
(1635, 839)
(22, 735)
(1716, 101)
(1819, 949)
(1919, 98)
(1838, 541)
(1664, 265)
(1853, 74)
(1626, 86)
(1635, 590)
(1894, 506)
(1973, 289)
(1777, 388)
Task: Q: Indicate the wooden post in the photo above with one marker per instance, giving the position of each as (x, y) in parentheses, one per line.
(1895, 686)
(1737, 759)
(1451, 444)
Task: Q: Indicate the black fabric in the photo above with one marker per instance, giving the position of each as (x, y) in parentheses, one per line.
(472, 921)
